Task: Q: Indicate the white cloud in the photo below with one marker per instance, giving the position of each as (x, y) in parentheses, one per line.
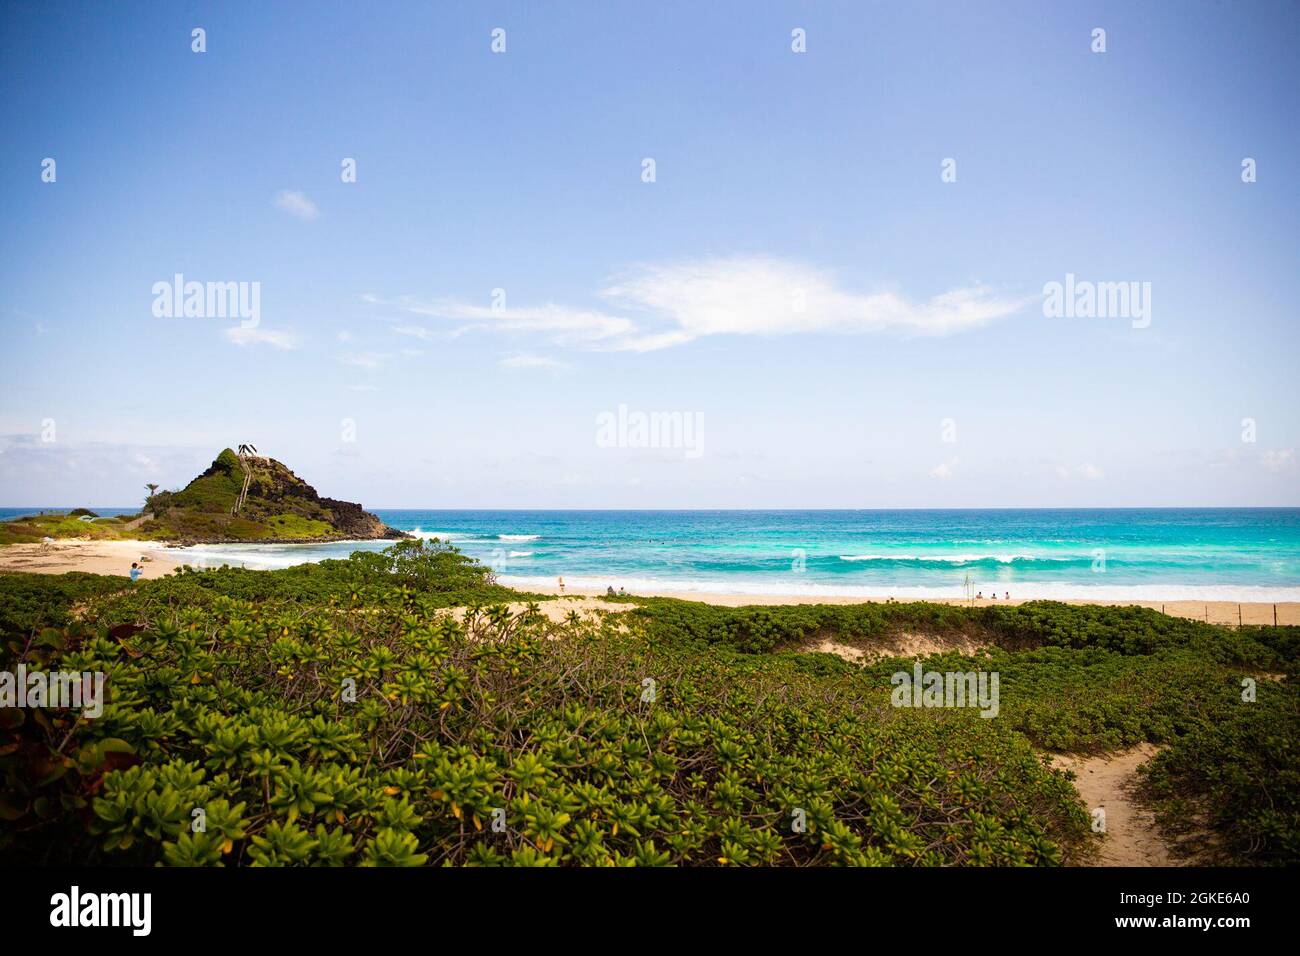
(532, 361)
(944, 471)
(1279, 461)
(1086, 471)
(260, 336)
(564, 326)
(367, 360)
(679, 303)
(296, 204)
(418, 332)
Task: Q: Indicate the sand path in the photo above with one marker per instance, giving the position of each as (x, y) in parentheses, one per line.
(1107, 782)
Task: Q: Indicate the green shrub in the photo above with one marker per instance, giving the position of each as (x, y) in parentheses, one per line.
(1236, 778)
(674, 733)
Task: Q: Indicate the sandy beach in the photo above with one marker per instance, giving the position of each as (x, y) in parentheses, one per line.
(115, 557)
(96, 557)
(1215, 612)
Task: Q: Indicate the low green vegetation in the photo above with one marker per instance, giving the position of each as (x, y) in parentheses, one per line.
(401, 709)
(763, 628)
(33, 529)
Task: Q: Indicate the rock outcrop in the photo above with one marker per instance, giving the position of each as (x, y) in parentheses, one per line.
(254, 498)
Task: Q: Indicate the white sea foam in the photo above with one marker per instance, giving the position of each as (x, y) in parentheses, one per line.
(518, 537)
(271, 556)
(1147, 593)
(443, 535)
(957, 558)
(266, 557)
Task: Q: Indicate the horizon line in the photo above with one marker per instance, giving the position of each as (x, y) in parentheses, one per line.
(1295, 507)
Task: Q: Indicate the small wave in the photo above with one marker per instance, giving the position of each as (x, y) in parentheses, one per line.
(520, 554)
(518, 537)
(269, 557)
(1149, 593)
(955, 558)
(442, 535)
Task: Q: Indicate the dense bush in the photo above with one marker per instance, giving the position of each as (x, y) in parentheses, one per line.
(1236, 778)
(29, 602)
(241, 711)
(1125, 630)
(760, 628)
(439, 574)
(674, 733)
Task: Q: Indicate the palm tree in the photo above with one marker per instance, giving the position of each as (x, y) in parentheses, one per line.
(152, 488)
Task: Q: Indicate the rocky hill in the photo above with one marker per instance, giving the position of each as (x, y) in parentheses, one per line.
(235, 499)
(255, 499)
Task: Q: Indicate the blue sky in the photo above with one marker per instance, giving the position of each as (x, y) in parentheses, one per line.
(380, 370)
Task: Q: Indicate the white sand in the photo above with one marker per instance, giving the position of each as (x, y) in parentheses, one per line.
(1216, 612)
(97, 557)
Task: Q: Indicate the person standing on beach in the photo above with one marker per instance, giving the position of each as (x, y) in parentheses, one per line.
(561, 580)
(136, 571)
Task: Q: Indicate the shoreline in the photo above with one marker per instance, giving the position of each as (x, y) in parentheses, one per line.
(115, 557)
(1213, 612)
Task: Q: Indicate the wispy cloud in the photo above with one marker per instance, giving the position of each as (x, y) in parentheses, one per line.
(258, 335)
(296, 204)
(366, 360)
(1278, 461)
(28, 463)
(416, 332)
(583, 328)
(658, 306)
(944, 471)
(1086, 471)
(523, 361)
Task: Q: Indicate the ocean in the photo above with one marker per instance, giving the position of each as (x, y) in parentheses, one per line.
(1218, 554)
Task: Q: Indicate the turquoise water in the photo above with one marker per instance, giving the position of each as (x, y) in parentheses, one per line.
(1149, 554)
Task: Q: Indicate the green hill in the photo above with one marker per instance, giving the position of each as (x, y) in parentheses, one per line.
(216, 507)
